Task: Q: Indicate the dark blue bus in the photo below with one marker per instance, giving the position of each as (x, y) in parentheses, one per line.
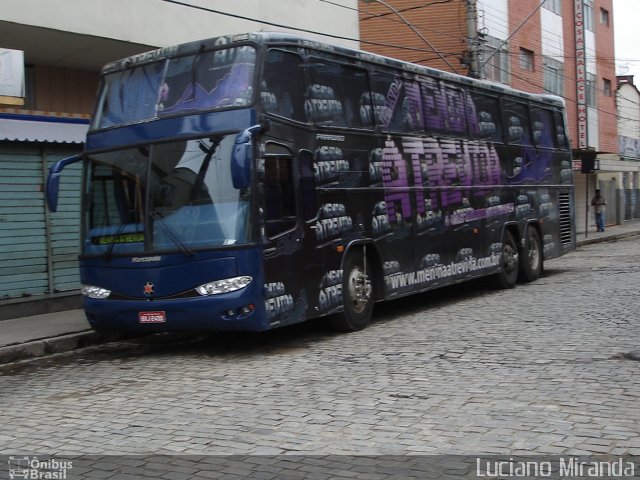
(254, 181)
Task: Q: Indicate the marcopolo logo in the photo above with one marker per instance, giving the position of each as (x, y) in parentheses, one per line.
(33, 468)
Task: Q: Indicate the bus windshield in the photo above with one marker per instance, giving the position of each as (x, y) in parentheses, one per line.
(210, 80)
(164, 197)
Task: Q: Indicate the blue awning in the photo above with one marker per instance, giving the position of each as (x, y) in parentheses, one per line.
(37, 128)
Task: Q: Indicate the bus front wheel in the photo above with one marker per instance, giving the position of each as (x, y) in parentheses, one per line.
(531, 258)
(509, 263)
(357, 294)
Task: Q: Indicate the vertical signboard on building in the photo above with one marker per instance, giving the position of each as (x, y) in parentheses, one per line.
(581, 73)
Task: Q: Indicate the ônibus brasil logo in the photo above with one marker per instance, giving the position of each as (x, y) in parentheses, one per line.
(31, 468)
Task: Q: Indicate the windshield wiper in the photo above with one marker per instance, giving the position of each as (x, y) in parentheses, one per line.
(171, 233)
(209, 152)
(109, 251)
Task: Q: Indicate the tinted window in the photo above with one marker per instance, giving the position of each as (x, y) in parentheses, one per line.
(332, 98)
(279, 195)
(435, 106)
(486, 112)
(456, 120)
(396, 104)
(561, 135)
(517, 123)
(544, 132)
(283, 86)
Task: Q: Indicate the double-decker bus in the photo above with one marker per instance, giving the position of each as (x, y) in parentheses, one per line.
(254, 181)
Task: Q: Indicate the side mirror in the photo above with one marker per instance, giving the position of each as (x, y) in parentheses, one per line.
(53, 180)
(242, 157)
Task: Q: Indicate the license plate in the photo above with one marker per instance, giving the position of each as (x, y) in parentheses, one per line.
(152, 317)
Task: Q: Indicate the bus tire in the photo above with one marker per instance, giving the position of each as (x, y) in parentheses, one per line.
(531, 256)
(357, 294)
(509, 269)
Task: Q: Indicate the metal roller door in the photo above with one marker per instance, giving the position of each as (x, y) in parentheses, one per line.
(38, 251)
(65, 228)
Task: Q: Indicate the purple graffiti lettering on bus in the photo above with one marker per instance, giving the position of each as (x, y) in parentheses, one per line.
(434, 105)
(394, 176)
(438, 164)
(414, 147)
(391, 101)
(455, 111)
(414, 110)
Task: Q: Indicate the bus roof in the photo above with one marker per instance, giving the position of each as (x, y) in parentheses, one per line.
(280, 38)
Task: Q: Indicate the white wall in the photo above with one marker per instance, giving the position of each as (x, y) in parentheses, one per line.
(159, 23)
(628, 99)
(494, 16)
(552, 35)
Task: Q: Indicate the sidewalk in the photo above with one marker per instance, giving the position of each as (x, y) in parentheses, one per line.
(39, 335)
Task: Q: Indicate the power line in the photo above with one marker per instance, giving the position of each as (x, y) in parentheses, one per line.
(290, 27)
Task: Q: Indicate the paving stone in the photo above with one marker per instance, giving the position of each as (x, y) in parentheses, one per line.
(543, 368)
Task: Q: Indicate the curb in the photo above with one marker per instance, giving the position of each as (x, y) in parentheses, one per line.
(611, 238)
(48, 346)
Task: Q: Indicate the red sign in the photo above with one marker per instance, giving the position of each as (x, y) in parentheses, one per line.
(152, 317)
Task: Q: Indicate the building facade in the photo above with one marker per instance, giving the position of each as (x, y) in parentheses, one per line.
(564, 47)
(628, 102)
(51, 53)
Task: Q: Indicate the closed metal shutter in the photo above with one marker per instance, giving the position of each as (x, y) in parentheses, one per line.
(65, 227)
(23, 242)
(38, 250)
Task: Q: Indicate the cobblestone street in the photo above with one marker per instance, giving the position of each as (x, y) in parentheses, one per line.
(547, 368)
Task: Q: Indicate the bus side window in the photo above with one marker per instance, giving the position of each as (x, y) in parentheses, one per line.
(484, 121)
(456, 119)
(279, 195)
(516, 119)
(282, 88)
(334, 96)
(397, 103)
(544, 134)
(561, 137)
(435, 108)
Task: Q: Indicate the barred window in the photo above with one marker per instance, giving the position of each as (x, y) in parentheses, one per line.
(554, 6)
(496, 67)
(553, 76)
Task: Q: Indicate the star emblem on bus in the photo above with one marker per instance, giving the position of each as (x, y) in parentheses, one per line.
(148, 288)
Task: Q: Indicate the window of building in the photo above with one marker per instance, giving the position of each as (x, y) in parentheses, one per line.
(588, 15)
(604, 17)
(495, 60)
(607, 87)
(554, 6)
(553, 76)
(526, 59)
(591, 90)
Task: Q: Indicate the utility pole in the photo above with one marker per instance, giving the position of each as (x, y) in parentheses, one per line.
(472, 38)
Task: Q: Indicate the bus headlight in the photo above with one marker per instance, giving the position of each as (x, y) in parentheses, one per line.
(95, 292)
(224, 286)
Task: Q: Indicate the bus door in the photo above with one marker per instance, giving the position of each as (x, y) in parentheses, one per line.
(292, 270)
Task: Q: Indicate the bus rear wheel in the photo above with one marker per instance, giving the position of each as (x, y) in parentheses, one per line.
(509, 263)
(357, 294)
(531, 258)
